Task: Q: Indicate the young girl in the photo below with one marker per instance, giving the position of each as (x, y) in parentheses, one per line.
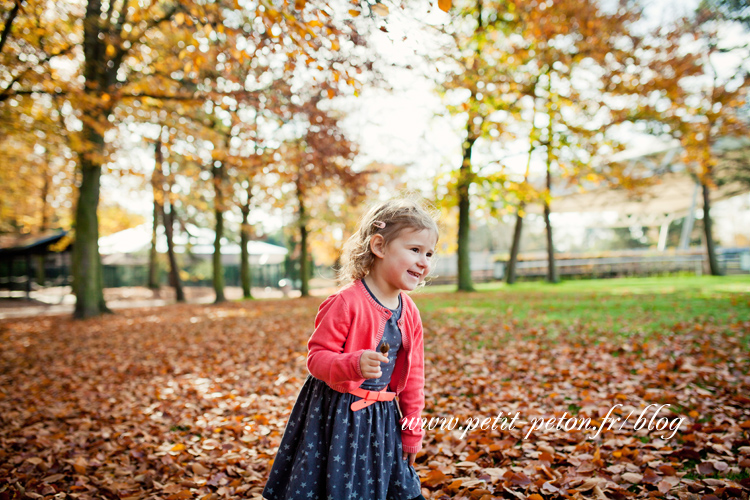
(344, 440)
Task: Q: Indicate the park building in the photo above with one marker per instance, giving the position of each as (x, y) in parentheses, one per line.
(41, 263)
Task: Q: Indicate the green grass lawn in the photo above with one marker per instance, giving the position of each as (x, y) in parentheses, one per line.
(624, 306)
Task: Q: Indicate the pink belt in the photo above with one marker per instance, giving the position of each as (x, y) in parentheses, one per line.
(370, 397)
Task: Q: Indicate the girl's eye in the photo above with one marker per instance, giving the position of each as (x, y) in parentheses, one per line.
(416, 249)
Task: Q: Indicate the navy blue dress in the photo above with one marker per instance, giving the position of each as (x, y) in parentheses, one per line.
(329, 452)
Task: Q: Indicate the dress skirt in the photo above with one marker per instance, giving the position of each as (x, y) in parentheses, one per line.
(329, 452)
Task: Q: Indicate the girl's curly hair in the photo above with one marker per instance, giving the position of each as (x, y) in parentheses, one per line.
(396, 215)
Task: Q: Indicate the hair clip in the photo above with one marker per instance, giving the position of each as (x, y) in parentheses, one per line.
(379, 224)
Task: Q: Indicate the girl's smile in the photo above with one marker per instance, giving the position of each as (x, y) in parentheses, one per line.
(401, 264)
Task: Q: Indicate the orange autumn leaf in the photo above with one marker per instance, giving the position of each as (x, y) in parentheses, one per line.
(433, 478)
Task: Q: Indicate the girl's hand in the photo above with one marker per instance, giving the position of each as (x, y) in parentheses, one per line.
(410, 457)
(369, 364)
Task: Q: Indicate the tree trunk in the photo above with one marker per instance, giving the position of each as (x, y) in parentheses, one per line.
(40, 271)
(464, 222)
(289, 262)
(713, 263)
(88, 276)
(515, 247)
(510, 277)
(303, 264)
(161, 201)
(153, 269)
(9, 24)
(153, 281)
(174, 270)
(551, 267)
(88, 279)
(245, 270)
(219, 211)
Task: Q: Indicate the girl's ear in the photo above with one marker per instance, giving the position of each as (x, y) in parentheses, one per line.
(377, 245)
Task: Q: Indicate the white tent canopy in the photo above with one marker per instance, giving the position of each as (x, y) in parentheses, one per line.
(672, 196)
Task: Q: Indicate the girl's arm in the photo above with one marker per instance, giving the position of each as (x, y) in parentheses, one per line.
(325, 358)
(411, 399)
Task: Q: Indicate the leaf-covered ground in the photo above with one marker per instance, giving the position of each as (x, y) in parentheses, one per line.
(189, 401)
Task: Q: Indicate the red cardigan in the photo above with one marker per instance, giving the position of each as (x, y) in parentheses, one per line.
(350, 322)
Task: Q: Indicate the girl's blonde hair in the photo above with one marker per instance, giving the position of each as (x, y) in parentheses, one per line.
(388, 220)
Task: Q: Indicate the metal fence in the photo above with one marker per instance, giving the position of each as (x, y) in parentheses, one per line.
(610, 264)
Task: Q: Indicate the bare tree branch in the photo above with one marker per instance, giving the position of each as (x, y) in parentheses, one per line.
(5, 93)
(9, 24)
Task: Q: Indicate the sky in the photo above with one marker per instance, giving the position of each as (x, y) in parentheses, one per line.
(407, 125)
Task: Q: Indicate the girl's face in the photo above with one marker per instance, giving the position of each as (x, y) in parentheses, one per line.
(405, 261)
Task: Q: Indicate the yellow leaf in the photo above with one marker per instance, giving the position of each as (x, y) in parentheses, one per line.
(179, 18)
(445, 5)
(354, 13)
(178, 447)
(380, 9)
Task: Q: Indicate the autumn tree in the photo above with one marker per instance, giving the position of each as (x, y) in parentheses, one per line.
(482, 86)
(313, 163)
(238, 88)
(522, 69)
(163, 179)
(36, 156)
(575, 62)
(699, 82)
(37, 171)
(249, 186)
(33, 36)
(478, 71)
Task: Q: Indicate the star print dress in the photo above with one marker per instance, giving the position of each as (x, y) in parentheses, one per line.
(329, 452)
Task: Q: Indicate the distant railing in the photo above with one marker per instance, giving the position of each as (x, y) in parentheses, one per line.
(612, 264)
